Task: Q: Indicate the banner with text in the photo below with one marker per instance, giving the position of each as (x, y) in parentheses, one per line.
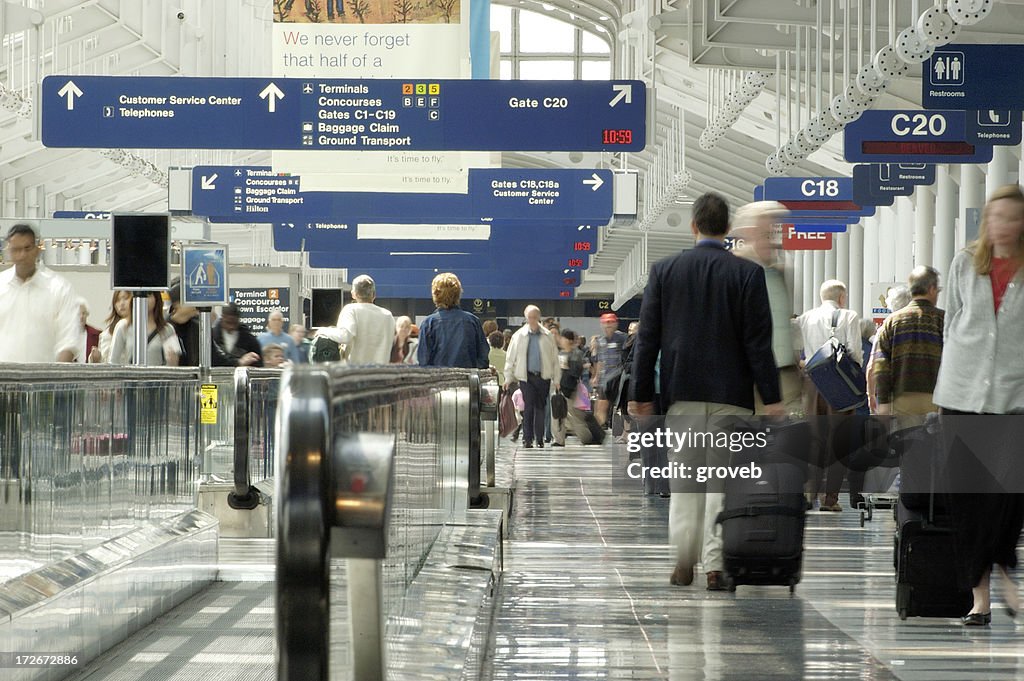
(374, 39)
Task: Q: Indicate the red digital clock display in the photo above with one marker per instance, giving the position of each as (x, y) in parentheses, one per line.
(617, 137)
(581, 246)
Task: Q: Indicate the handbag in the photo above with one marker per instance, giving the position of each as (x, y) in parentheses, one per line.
(559, 407)
(507, 421)
(836, 375)
(583, 397)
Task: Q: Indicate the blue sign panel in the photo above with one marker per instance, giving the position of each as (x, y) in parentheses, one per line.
(893, 136)
(471, 277)
(978, 77)
(204, 275)
(820, 227)
(505, 291)
(81, 215)
(441, 257)
(257, 194)
(808, 189)
(862, 193)
(365, 114)
(534, 237)
(999, 127)
(834, 215)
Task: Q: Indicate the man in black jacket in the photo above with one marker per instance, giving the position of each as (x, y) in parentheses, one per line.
(707, 312)
(234, 345)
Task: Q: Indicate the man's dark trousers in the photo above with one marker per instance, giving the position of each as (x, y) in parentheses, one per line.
(535, 398)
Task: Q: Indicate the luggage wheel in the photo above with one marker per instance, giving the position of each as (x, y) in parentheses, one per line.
(903, 613)
(863, 517)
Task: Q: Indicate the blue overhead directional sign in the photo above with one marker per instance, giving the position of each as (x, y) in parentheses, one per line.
(81, 215)
(888, 136)
(974, 77)
(862, 184)
(554, 277)
(528, 240)
(257, 194)
(808, 189)
(999, 127)
(813, 217)
(365, 114)
(820, 227)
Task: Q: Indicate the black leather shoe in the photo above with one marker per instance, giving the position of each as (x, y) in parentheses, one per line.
(977, 619)
(527, 445)
(540, 444)
(716, 581)
(556, 444)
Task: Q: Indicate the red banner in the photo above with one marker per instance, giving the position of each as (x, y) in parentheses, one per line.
(793, 240)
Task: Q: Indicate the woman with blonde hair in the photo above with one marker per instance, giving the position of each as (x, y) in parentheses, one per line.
(451, 337)
(404, 349)
(982, 372)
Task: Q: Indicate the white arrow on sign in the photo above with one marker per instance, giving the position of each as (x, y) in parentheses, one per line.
(272, 93)
(623, 92)
(208, 182)
(70, 90)
(597, 182)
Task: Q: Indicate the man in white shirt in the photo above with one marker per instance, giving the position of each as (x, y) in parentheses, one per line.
(39, 311)
(366, 330)
(816, 327)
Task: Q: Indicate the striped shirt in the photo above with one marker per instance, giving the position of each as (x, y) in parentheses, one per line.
(908, 351)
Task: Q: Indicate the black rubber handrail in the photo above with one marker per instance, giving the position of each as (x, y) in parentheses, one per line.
(316, 395)
(245, 496)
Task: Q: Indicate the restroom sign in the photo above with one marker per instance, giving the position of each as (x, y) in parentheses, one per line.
(792, 240)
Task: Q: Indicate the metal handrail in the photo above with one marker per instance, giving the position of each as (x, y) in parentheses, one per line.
(311, 508)
(45, 373)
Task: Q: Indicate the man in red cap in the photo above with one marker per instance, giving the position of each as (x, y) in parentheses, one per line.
(609, 365)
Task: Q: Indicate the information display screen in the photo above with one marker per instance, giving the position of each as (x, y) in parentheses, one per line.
(140, 251)
(324, 306)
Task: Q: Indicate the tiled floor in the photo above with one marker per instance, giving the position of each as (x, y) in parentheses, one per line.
(586, 595)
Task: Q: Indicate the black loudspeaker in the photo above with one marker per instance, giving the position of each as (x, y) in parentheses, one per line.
(140, 251)
(325, 306)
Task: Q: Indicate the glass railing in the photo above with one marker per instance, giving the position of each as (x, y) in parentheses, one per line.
(374, 462)
(88, 453)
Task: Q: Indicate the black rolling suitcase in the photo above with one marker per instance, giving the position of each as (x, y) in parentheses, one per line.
(926, 578)
(763, 527)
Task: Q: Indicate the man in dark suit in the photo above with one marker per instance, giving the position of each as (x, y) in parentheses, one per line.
(707, 312)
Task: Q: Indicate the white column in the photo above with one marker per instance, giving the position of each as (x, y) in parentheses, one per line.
(972, 195)
(855, 249)
(841, 247)
(999, 170)
(871, 257)
(924, 225)
(809, 297)
(790, 273)
(946, 202)
(795, 278)
(819, 270)
(831, 260)
(903, 256)
(888, 227)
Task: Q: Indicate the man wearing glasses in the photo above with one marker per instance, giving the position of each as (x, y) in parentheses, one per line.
(39, 311)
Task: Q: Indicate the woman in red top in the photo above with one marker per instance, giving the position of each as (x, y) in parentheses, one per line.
(980, 362)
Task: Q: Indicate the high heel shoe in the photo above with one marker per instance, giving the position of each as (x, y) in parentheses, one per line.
(977, 619)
